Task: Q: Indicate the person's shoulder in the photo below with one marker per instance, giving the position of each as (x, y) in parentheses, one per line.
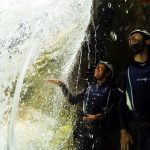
(114, 87)
(123, 75)
(92, 84)
(124, 72)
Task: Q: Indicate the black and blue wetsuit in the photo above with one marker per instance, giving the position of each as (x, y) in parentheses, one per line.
(135, 103)
(95, 99)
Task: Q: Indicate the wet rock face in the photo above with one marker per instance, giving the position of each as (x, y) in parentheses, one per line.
(111, 22)
(106, 38)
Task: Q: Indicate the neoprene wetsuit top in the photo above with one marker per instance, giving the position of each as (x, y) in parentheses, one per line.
(96, 99)
(135, 89)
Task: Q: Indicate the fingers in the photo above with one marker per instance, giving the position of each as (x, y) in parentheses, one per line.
(125, 140)
(89, 117)
(124, 146)
(99, 116)
(84, 118)
(54, 81)
(127, 146)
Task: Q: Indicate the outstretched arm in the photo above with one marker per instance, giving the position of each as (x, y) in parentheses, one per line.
(73, 99)
(58, 82)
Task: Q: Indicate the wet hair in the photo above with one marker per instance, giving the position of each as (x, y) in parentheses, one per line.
(146, 37)
(107, 71)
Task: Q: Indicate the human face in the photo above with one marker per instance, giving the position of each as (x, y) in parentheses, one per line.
(136, 43)
(100, 71)
(135, 38)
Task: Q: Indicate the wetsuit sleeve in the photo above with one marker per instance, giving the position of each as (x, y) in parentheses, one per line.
(114, 98)
(73, 99)
(122, 106)
(112, 110)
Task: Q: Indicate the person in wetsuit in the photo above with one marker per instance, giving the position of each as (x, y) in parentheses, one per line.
(134, 106)
(99, 112)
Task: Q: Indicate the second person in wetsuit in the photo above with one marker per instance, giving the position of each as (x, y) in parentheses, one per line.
(99, 112)
(135, 95)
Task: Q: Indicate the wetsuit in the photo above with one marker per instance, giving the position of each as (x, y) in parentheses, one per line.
(135, 103)
(95, 99)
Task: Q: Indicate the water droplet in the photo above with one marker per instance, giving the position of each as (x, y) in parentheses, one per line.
(126, 11)
(103, 9)
(109, 5)
(113, 35)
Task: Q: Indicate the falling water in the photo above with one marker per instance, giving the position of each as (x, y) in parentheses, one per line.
(39, 39)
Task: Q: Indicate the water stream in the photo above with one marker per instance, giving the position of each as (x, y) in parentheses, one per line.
(39, 39)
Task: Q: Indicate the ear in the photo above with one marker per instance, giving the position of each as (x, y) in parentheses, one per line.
(108, 74)
(147, 42)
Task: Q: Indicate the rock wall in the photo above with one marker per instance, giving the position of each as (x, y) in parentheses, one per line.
(111, 22)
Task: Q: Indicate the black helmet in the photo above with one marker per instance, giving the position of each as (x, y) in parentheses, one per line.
(145, 33)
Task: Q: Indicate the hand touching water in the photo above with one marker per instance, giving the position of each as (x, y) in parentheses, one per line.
(58, 82)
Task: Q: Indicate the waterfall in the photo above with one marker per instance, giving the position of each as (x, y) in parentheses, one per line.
(39, 39)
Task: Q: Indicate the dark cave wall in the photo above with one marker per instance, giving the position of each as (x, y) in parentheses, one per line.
(101, 43)
(106, 36)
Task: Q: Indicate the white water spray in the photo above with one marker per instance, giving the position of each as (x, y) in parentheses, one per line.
(28, 28)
